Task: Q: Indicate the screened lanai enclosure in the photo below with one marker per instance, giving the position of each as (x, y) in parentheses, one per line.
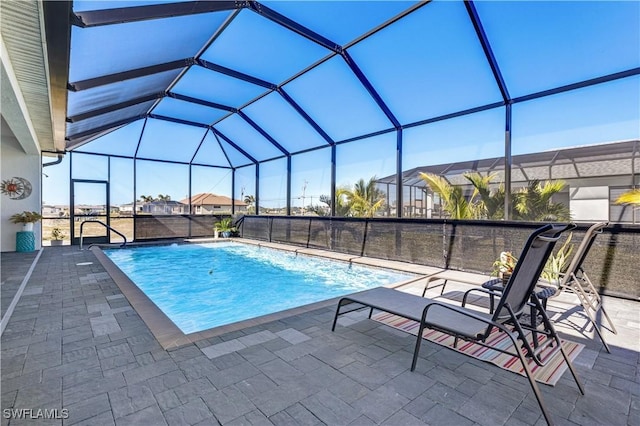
(178, 112)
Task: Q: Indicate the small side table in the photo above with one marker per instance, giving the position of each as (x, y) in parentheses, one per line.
(25, 241)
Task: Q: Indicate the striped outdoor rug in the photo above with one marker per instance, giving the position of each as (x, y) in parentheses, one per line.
(549, 374)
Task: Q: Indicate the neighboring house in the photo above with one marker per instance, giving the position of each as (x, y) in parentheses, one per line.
(127, 209)
(207, 203)
(91, 210)
(55, 211)
(595, 176)
(165, 207)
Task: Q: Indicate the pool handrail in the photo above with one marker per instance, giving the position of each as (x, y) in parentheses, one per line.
(124, 243)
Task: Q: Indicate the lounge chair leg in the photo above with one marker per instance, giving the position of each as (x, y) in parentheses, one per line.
(532, 381)
(599, 333)
(416, 351)
(533, 312)
(443, 286)
(613, 327)
(335, 318)
(590, 315)
(570, 365)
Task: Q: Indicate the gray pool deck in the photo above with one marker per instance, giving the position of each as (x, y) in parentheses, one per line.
(75, 342)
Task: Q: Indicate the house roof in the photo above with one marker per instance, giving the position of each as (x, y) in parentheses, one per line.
(206, 198)
(165, 203)
(608, 159)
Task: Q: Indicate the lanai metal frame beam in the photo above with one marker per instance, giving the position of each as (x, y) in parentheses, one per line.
(129, 74)
(506, 98)
(200, 102)
(94, 18)
(100, 129)
(292, 25)
(233, 73)
(582, 84)
(114, 107)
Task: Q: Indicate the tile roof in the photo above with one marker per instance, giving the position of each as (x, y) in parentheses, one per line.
(206, 198)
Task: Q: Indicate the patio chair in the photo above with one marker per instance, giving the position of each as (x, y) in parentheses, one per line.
(474, 326)
(574, 280)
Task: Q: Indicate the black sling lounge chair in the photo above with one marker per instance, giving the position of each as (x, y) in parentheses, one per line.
(470, 325)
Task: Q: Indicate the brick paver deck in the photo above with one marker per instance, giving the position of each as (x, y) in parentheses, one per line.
(75, 343)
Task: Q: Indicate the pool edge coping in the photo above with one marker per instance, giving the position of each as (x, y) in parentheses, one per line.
(170, 336)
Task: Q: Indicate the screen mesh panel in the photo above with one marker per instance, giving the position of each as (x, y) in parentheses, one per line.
(150, 227)
(294, 231)
(470, 247)
(320, 234)
(406, 241)
(458, 245)
(347, 236)
(255, 229)
(202, 226)
(612, 262)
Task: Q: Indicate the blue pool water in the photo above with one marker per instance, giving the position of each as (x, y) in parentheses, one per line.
(200, 286)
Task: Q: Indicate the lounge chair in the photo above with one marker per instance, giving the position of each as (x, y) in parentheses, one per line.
(471, 325)
(574, 280)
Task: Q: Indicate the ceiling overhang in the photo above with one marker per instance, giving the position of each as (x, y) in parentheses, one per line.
(30, 103)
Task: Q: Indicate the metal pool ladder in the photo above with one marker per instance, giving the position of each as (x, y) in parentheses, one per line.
(106, 226)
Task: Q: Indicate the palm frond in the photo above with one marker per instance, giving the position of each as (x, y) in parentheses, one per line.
(534, 202)
(631, 197)
(491, 202)
(439, 185)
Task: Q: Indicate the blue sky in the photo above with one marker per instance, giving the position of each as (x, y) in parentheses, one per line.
(427, 64)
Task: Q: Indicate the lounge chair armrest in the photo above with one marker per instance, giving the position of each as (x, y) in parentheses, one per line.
(481, 290)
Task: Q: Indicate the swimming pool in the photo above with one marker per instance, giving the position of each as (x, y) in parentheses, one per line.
(201, 286)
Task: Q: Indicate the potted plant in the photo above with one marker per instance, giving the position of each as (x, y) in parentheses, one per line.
(504, 265)
(225, 227)
(57, 235)
(26, 218)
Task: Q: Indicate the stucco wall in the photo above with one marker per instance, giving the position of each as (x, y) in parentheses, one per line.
(16, 163)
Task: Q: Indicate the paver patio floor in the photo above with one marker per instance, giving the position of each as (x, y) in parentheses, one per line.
(75, 343)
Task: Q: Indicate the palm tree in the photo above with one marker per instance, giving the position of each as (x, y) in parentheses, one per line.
(164, 197)
(453, 200)
(342, 206)
(146, 198)
(534, 202)
(364, 200)
(343, 202)
(250, 200)
(491, 202)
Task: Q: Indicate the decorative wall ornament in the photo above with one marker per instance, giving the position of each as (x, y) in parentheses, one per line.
(16, 188)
